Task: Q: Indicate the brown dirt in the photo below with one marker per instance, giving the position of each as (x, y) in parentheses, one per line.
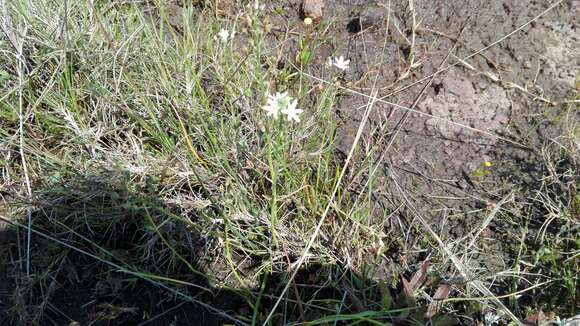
(544, 52)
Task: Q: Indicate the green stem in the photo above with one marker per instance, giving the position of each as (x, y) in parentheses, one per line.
(273, 201)
(257, 305)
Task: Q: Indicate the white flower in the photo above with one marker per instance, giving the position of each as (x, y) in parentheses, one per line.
(282, 103)
(291, 111)
(273, 107)
(257, 6)
(491, 318)
(224, 35)
(340, 63)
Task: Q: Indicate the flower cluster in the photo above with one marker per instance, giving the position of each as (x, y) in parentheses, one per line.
(281, 103)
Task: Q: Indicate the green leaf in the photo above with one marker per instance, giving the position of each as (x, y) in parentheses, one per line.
(304, 56)
(385, 295)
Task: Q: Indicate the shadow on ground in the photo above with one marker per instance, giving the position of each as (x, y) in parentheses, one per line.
(105, 250)
(109, 247)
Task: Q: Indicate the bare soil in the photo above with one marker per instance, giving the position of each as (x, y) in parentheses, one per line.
(464, 114)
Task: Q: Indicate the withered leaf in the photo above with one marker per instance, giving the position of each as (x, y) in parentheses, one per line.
(442, 293)
(420, 276)
(539, 318)
(408, 291)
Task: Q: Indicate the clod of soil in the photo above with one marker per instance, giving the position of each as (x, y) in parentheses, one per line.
(313, 8)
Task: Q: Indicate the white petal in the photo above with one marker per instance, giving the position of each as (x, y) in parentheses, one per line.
(271, 110)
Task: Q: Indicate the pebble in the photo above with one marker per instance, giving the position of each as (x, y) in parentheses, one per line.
(482, 85)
